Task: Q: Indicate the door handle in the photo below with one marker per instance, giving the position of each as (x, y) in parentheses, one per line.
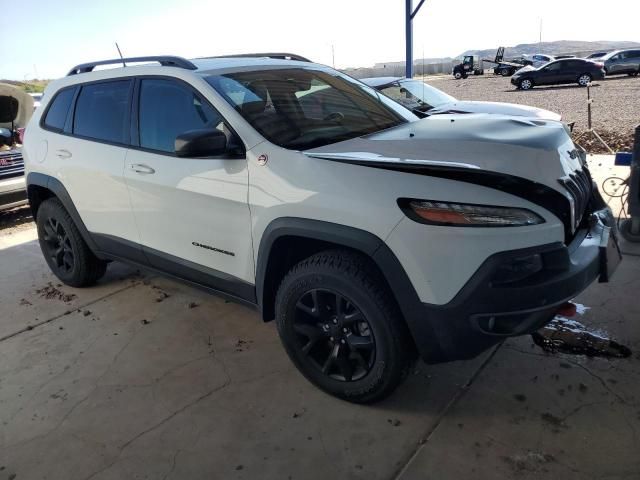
(64, 154)
(141, 168)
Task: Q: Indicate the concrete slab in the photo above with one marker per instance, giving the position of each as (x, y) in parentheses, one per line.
(532, 414)
(186, 387)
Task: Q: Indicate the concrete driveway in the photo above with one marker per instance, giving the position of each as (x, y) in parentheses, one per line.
(143, 377)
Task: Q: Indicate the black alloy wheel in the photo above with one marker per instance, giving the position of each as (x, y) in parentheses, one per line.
(58, 245)
(334, 334)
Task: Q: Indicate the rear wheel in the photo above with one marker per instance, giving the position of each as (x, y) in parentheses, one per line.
(341, 327)
(504, 72)
(584, 79)
(525, 84)
(627, 233)
(64, 249)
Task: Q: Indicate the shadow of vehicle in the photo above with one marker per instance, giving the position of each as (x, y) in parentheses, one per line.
(16, 217)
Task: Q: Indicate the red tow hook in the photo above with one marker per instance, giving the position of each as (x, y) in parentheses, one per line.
(567, 309)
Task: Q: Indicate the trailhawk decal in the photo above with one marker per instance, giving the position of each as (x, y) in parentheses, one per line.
(209, 247)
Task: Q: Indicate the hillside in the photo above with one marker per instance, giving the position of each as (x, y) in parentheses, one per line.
(557, 47)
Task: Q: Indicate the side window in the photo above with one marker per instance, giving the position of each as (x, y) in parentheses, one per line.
(57, 112)
(102, 111)
(167, 109)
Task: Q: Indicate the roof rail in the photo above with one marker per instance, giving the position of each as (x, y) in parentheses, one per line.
(280, 55)
(164, 60)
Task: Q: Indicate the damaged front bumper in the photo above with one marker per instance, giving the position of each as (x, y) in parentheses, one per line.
(517, 292)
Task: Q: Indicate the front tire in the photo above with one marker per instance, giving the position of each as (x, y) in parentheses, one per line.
(457, 75)
(68, 256)
(525, 84)
(341, 327)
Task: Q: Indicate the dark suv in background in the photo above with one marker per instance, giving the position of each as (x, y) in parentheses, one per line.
(572, 70)
(621, 62)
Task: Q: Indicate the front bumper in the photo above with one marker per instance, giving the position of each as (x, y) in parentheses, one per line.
(492, 306)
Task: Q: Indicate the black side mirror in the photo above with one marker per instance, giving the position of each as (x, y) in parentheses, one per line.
(201, 143)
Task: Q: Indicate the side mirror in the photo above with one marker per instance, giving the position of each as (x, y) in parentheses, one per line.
(201, 143)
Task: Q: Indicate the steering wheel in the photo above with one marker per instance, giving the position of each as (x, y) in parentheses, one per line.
(334, 117)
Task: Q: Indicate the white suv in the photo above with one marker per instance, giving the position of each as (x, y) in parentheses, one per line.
(370, 235)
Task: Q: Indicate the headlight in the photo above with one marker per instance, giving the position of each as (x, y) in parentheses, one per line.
(467, 215)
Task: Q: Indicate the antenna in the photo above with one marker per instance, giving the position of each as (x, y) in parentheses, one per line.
(120, 53)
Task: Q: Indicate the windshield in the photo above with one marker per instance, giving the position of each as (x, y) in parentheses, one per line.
(416, 95)
(610, 54)
(301, 108)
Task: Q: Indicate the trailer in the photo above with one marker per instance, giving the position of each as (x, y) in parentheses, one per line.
(503, 67)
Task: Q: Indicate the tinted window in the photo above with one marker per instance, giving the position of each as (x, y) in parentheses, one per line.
(168, 109)
(57, 113)
(573, 64)
(302, 108)
(102, 111)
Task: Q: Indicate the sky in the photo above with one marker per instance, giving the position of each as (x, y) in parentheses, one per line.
(45, 38)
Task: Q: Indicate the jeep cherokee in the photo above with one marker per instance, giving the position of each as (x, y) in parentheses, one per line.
(371, 236)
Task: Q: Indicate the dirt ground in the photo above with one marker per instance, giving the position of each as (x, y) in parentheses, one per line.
(143, 377)
(615, 108)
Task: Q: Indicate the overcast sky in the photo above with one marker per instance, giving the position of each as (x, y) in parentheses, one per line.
(44, 38)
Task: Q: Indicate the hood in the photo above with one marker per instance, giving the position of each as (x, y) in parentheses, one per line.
(537, 150)
(15, 106)
(496, 108)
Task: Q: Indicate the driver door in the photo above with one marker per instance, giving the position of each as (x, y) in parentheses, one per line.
(192, 213)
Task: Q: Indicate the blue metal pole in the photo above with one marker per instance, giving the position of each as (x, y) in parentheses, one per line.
(409, 39)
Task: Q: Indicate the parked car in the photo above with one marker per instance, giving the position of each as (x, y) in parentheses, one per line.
(15, 111)
(621, 62)
(537, 60)
(596, 55)
(423, 98)
(368, 234)
(575, 70)
(37, 97)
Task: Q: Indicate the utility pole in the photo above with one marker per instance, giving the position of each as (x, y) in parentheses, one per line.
(540, 40)
(333, 56)
(409, 14)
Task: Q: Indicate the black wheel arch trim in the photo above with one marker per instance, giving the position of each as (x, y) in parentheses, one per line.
(360, 240)
(56, 187)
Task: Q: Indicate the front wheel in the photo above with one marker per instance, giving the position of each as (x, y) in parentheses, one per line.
(66, 253)
(342, 328)
(525, 84)
(457, 75)
(584, 79)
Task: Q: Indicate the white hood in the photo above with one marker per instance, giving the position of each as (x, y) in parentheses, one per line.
(536, 150)
(496, 108)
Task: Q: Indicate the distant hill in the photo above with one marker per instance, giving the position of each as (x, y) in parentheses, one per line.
(551, 48)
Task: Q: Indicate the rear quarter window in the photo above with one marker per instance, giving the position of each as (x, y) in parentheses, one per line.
(102, 111)
(59, 109)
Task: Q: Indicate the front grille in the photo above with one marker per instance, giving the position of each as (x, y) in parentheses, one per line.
(579, 185)
(11, 164)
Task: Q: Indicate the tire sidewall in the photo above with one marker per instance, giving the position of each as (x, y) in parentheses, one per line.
(291, 291)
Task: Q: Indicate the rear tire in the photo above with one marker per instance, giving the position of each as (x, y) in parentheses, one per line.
(342, 328)
(584, 79)
(65, 251)
(504, 72)
(625, 231)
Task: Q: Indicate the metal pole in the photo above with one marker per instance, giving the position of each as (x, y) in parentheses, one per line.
(409, 39)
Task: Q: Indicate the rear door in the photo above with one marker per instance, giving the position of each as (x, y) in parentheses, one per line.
(90, 133)
(191, 212)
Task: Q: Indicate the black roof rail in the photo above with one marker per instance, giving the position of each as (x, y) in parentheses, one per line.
(279, 55)
(164, 60)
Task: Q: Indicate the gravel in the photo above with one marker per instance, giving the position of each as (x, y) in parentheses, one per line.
(615, 107)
